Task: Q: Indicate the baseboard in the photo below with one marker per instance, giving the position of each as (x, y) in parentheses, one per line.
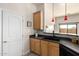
(26, 53)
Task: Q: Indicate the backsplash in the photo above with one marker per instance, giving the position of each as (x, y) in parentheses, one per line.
(58, 35)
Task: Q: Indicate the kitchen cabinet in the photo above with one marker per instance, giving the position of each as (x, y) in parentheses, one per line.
(35, 45)
(44, 48)
(37, 20)
(53, 49)
(32, 44)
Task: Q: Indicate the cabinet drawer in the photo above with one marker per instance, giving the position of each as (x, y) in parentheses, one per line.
(54, 44)
(37, 40)
(44, 42)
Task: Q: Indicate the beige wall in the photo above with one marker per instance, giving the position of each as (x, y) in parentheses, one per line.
(19, 8)
(60, 8)
(48, 13)
(48, 16)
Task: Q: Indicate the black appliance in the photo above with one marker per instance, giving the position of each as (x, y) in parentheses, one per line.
(65, 51)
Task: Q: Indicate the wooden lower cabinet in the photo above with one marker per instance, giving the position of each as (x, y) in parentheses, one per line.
(35, 46)
(32, 44)
(44, 48)
(53, 49)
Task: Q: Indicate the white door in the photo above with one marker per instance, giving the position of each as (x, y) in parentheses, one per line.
(12, 34)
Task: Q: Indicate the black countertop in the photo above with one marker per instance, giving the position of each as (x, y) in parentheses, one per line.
(46, 38)
(61, 40)
(70, 45)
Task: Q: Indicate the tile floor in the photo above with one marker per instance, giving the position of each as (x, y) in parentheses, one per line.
(31, 54)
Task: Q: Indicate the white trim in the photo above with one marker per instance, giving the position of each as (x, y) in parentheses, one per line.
(26, 53)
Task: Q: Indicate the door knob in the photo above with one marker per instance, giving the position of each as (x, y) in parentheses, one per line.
(4, 41)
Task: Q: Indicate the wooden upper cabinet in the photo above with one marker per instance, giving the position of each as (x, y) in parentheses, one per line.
(53, 49)
(37, 20)
(44, 48)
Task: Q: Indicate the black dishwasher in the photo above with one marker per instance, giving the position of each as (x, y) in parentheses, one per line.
(65, 51)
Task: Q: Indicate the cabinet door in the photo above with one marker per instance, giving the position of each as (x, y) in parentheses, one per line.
(32, 44)
(37, 20)
(44, 48)
(53, 49)
(37, 46)
(56, 51)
